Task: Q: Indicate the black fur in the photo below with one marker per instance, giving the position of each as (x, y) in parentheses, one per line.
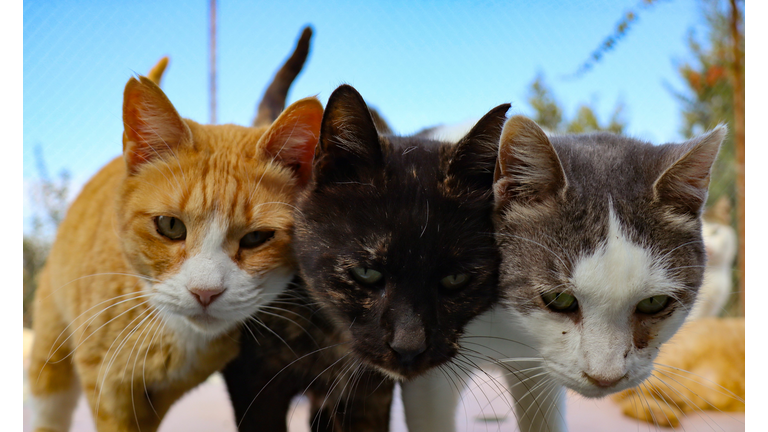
(413, 209)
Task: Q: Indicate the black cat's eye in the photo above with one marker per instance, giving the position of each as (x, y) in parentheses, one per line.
(366, 276)
(255, 238)
(171, 227)
(560, 301)
(454, 282)
(653, 305)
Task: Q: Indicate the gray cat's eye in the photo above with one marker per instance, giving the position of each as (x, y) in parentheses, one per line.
(560, 302)
(255, 238)
(653, 305)
(365, 275)
(171, 227)
(454, 282)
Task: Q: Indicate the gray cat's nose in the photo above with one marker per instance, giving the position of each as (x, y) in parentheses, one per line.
(206, 296)
(602, 381)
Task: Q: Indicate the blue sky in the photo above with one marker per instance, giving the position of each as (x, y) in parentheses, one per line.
(421, 63)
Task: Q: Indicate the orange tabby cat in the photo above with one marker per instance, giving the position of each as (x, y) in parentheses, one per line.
(161, 257)
(700, 368)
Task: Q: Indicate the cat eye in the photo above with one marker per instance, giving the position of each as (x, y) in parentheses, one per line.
(365, 275)
(454, 282)
(653, 305)
(171, 227)
(560, 302)
(255, 239)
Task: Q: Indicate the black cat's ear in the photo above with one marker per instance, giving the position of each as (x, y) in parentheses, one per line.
(474, 156)
(685, 184)
(152, 126)
(349, 142)
(528, 169)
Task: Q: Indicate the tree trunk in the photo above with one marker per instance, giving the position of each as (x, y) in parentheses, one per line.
(737, 75)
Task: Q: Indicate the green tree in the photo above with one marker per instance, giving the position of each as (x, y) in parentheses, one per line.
(714, 94)
(51, 197)
(549, 113)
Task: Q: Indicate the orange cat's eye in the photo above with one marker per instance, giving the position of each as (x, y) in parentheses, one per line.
(171, 227)
(255, 239)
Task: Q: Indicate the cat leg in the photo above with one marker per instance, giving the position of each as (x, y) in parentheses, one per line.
(539, 402)
(430, 400)
(124, 397)
(52, 380)
(114, 409)
(365, 406)
(260, 404)
(644, 407)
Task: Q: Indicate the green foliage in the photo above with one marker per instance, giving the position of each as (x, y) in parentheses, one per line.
(708, 99)
(549, 114)
(35, 252)
(625, 23)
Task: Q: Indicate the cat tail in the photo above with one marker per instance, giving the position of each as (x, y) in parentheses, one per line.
(273, 101)
(156, 73)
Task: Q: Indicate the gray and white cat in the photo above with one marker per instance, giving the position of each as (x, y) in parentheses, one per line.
(602, 258)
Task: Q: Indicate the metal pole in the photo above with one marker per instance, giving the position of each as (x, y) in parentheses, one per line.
(213, 62)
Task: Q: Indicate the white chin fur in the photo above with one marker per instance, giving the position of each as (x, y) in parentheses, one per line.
(212, 268)
(235, 305)
(608, 284)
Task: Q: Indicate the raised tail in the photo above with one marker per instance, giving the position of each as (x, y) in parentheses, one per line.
(273, 101)
(156, 73)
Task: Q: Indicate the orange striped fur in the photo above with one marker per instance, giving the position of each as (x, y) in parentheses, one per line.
(136, 318)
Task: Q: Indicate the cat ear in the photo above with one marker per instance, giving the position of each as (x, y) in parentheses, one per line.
(474, 157)
(348, 137)
(685, 183)
(152, 127)
(528, 169)
(292, 138)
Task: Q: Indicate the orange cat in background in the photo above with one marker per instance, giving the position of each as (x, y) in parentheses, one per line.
(163, 255)
(700, 368)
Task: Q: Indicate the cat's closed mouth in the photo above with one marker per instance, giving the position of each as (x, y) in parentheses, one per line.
(203, 319)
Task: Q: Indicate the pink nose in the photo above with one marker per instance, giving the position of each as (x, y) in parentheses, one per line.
(206, 296)
(602, 381)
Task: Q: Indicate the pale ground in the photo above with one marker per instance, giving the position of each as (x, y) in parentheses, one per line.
(207, 408)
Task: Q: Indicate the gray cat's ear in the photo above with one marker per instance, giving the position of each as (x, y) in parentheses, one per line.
(685, 184)
(152, 127)
(474, 157)
(528, 169)
(349, 141)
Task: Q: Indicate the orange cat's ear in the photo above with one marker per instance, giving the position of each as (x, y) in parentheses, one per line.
(153, 128)
(292, 138)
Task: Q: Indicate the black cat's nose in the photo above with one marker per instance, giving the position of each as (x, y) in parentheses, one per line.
(407, 352)
(408, 343)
